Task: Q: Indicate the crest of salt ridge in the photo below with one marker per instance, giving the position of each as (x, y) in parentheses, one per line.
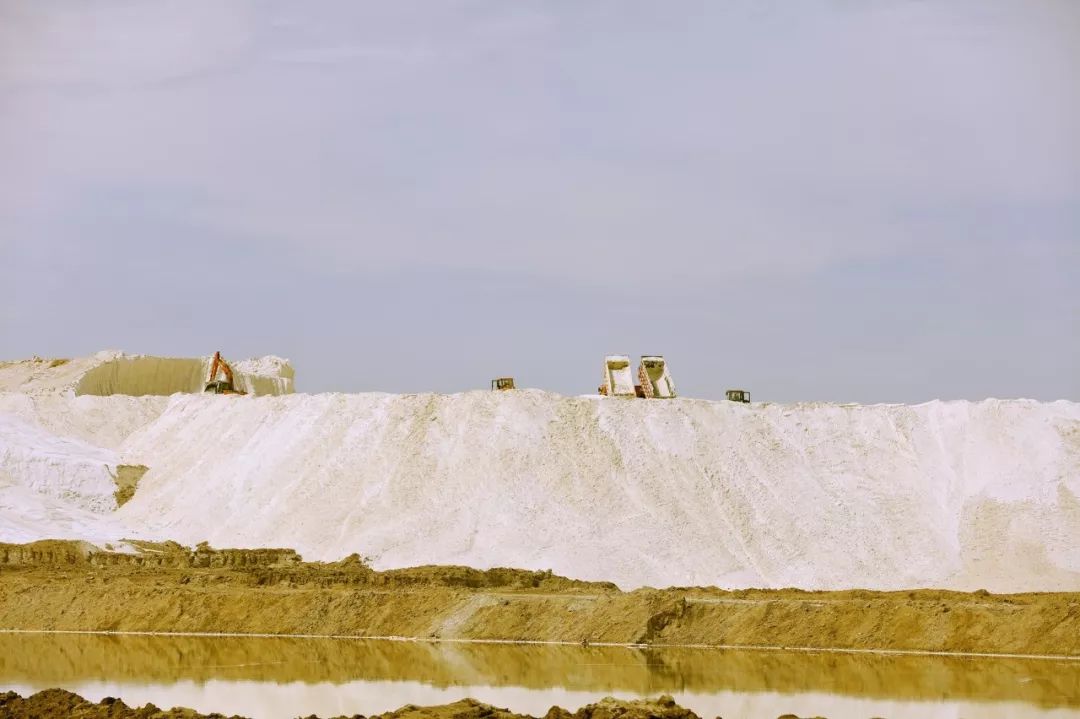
(957, 494)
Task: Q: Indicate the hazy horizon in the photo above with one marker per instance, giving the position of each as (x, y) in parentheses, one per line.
(840, 201)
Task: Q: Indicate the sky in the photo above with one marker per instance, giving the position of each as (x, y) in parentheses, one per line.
(836, 200)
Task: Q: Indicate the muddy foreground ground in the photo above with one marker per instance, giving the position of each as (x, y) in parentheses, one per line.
(64, 585)
(56, 702)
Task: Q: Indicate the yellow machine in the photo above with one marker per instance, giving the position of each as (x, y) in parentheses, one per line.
(738, 395)
(502, 383)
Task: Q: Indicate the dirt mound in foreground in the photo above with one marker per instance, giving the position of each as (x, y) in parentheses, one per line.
(60, 703)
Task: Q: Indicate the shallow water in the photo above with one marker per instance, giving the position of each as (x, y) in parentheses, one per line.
(267, 677)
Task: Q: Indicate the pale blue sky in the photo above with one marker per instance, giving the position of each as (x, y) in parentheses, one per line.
(853, 201)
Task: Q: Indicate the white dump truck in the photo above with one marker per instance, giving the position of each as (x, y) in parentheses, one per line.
(618, 378)
(654, 378)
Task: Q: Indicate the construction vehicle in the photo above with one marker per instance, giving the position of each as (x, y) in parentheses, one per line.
(738, 395)
(502, 383)
(656, 382)
(618, 380)
(221, 386)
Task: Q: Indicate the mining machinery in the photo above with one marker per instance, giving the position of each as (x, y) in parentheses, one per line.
(221, 386)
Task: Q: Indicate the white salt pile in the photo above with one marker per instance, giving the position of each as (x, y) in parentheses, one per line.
(116, 373)
(960, 495)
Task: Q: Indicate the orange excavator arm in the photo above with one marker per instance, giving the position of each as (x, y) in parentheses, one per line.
(213, 385)
(220, 364)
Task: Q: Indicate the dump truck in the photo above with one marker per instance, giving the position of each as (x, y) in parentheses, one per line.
(221, 386)
(738, 395)
(656, 382)
(618, 380)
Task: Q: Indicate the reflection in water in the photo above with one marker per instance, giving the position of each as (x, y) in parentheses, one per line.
(284, 677)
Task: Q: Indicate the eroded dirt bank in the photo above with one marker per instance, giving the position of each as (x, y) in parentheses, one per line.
(60, 703)
(56, 585)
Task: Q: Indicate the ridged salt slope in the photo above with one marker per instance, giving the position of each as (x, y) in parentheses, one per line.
(944, 494)
(59, 419)
(52, 485)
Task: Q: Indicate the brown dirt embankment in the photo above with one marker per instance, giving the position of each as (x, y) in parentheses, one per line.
(57, 585)
(60, 703)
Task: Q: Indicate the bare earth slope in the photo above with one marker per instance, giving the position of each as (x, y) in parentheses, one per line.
(961, 495)
(71, 586)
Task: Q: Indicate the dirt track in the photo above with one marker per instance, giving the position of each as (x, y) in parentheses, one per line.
(68, 586)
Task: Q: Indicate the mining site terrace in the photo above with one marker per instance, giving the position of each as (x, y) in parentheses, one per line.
(133, 501)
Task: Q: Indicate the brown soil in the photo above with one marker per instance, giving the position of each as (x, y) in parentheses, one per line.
(127, 481)
(60, 703)
(60, 585)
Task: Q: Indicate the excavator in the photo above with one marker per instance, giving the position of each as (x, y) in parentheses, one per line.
(221, 386)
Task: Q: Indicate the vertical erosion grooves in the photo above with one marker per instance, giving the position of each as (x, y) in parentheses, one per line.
(142, 375)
